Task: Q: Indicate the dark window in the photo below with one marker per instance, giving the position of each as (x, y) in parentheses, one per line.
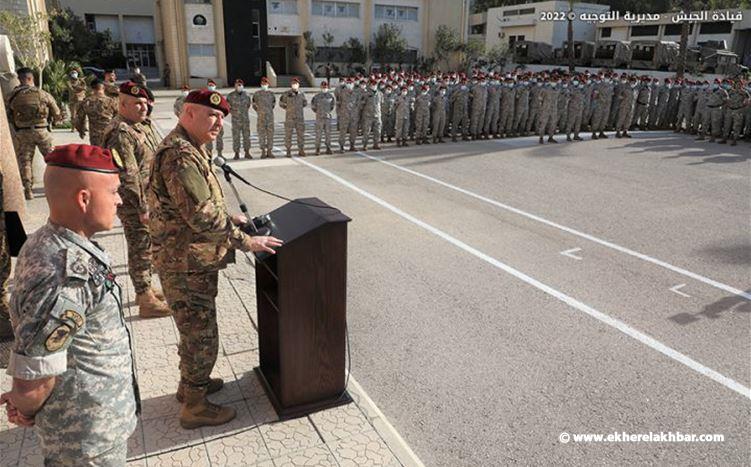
(645, 30)
(527, 11)
(721, 27)
(478, 29)
(143, 55)
(90, 22)
(510, 12)
(606, 32)
(199, 20)
(675, 29)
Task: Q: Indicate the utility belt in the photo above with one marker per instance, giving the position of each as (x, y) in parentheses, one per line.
(38, 127)
(714, 106)
(735, 108)
(642, 103)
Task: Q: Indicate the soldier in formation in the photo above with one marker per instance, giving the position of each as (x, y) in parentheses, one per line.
(293, 102)
(239, 102)
(323, 105)
(98, 109)
(263, 104)
(177, 107)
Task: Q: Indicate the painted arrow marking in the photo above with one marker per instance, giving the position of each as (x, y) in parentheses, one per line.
(570, 254)
(679, 286)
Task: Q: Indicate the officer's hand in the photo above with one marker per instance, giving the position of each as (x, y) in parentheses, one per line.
(257, 244)
(144, 218)
(14, 415)
(239, 219)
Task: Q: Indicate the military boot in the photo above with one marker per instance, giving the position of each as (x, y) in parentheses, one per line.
(453, 139)
(328, 151)
(722, 141)
(149, 306)
(247, 154)
(215, 385)
(577, 138)
(617, 134)
(594, 136)
(318, 151)
(603, 135)
(237, 154)
(197, 411)
(352, 148)
(301, 152)
(551, 140)
(541, 140)
(568, 137)
(733, 142)
(700, 138)
(341, 149)
(289, 152)
(376, 146)
(626, 135)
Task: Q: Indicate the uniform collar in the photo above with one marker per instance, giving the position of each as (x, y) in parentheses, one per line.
(89, 246)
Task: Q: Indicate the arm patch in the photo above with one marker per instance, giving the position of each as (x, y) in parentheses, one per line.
(194, 183)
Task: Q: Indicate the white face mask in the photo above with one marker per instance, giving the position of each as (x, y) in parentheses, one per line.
(464, 87)
(239, 88)
(374, 88)
(325, 90)
(74, 75)
(411, 88)
(387, 91)
(185, 93)
(350, 86)
(442, 92)
(265, 87)
(295, 87)
(404, 93)
(212, 88)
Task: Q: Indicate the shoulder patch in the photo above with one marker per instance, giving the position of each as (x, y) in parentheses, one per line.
(76, 264)
(57, 338)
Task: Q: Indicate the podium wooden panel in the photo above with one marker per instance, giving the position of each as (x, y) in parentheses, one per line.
(301, 294)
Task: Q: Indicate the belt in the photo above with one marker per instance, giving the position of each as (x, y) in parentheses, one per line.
(714, 106)
(642, 103)
(32, 128)
(735, 108)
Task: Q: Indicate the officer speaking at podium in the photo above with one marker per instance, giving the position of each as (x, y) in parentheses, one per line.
(193, 237)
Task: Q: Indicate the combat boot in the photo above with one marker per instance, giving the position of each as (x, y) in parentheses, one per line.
(577, 138)
(453, 139)
(722, 141)
(247, 154)
(617, 134)
(733, 142)
(237, 154)
(352, 148)
(289, 152)
(197, 411)
(541, 140)
(568, 137)
(404, 143)
(603, 135)
(626, 135)
(215, 385)
(149, 306)
(301, 152)
(318, 151)
(700, 138)
(711, 139)
(328, 151)
(376, 146)
(341, 149)
(551, 140)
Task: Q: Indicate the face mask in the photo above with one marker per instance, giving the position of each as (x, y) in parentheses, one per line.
(633, 85)
(239, 88)
(576, 83)
(325, 90)
(424, 93)
(670, 86)
(265, 87)
(552, 85)
(432, 80)
(74, 75)
(374, 88)
(464, 87)
(350, 86)
(482, 83)
(185, 93)
(539, 85)
(443, 93)
(388, 91)
(411, 88)
(212, 88)
(295, 87)
(564, 85)
(404, 93)
(623, 81)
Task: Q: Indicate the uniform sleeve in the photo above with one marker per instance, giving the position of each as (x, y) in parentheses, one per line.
(52, 105)
(51, 313)
(313, 103)
(131, 189)
(283, 101)
(80, 123)
(190, 192)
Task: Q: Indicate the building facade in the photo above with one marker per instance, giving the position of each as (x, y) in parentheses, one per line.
(29, 8)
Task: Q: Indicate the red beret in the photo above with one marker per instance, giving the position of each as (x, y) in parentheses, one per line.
(239, 81)
(324, 83)
(295, 81)
(264, 80)
(186, 87)
(132, 89)
(208, 98)
(84, 157)
(210, 82)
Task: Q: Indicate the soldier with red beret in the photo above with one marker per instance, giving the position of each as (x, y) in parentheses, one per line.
(71, 361)
(293, 102)
(132, 136)
(194, 237)
(263, 103)
(211, 86)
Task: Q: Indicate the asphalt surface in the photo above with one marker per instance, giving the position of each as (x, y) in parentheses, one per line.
(501, 292)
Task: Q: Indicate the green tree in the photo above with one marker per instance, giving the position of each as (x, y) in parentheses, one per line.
(471, 51)
(446, 43)
(28, 39)
(497, 55)
(388, 44)
(72, 40)
(310, 48)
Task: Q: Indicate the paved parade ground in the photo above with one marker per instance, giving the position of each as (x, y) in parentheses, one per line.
(502, 293)
(504, 297)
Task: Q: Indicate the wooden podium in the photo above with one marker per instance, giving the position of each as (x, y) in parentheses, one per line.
(301, 293)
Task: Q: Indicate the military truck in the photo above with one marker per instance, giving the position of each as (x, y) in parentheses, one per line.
(653, 55)
(526, 52)
(708, 59)
(583, 53)
(612, 54)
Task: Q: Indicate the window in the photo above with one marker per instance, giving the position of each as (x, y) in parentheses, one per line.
(396, 13)
(90, 22)
(511, 13)
(205, 2)
(527, 11)
(477, 29)
(336, 9)
(675, 29)
(514, 39)
(637, 31)
(606, 32)
(201, 50)
(283, 7)
(142, 55)
(720, 27)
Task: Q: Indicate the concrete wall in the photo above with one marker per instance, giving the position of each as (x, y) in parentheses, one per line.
(201, 66)
(102, 7)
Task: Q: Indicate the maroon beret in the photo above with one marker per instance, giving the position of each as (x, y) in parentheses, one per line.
(132, 89)
(84, 157)
(239, 81)
(208, 98)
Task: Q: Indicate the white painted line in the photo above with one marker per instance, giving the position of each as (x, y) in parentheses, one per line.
(574, 303)
(592, 238)
(679, 286)
(570, 254)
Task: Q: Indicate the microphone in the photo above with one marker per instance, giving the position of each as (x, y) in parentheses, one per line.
(221, 162)
(255, 225)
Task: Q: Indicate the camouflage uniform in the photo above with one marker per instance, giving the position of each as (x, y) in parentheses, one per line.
(602, 99)
(521, 110)
(99, 110)
(29, 109)
(402, 110)
(111, 89)
(738, 99)
(345, 104)
(548, 113)
(263, 104)
(323, 105)
(492, 109)
(5, 265)
(534, 108)
(576, 111)
(438, 105)
(626, 96)
(713, 119)
(193, 238)
(76, 95)
(239, 104)
(701, 108)
(563, 97)
(388, 117)
(135, 143)
(662, 107)
(422, 115)
(508, 101)
(371, 117)
(68, 320)
(674, 98)
(293, 103)
(177, 107)
(460, 113)
(685, 109)
(641, 113)
(654, 99)
(479, 103)
(355, 114)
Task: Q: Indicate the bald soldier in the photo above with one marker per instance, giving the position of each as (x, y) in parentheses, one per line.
(132, 136)
(194, 237)
(71, 361)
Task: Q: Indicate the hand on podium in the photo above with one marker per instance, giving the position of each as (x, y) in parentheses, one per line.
(261, 243)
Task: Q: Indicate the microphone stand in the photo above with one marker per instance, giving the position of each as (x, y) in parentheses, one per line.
(254, 230)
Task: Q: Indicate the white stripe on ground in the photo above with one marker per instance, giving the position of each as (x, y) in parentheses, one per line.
(592, 238)
(572, 302)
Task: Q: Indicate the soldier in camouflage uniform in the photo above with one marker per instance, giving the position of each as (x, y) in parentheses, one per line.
(701, 107)
(713, 120)
(460, 111)
(641, 112)
(355, 115)
(194, 237)
(99, 110)
(323, 104)
(263, 104)
(29, 112)
(110, 87)
(239, 104)
(439, 105)
(548, 111)
(508, 102)
(71, 362)
(388, 117)
(422, 115)
(402, 108)
(521, 109)
(738, 99)
(293, 102)
(626, 99)
(132, 136)
(575, 110)
(492, 109)
(372, 101)
(534, 106)
(345, 101)
(177, 107)
(685, 108)
(603, 96)
(479, 103)
(76, 95)
(6, 331)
